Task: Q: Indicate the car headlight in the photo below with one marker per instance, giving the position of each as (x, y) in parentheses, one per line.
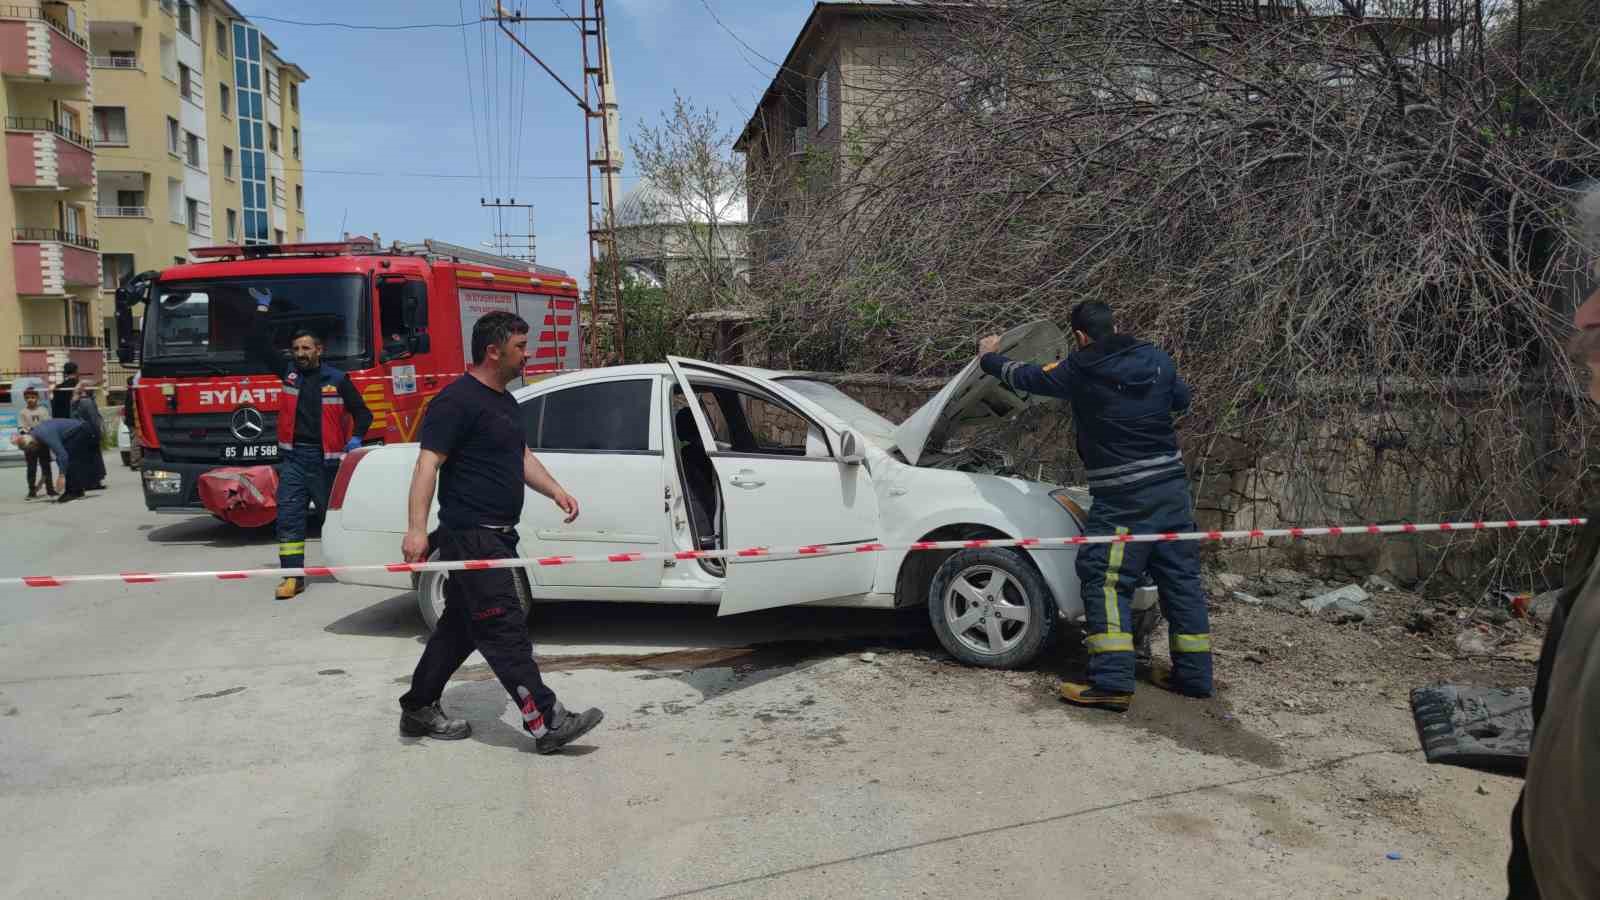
(1077, 513)
(159, 481)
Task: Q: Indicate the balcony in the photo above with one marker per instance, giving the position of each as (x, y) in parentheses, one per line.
(49, 262)
(37, 46)
(123, 212)
(75, 341)
(45, 155)
(126, 63)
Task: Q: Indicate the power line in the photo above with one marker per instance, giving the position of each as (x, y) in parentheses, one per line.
(108, 156)
(355, 27)
(724, 26)
(472, 103)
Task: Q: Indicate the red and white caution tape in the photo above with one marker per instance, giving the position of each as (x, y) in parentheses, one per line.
(818, 550)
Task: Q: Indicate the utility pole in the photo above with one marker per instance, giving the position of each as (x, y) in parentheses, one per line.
(603, 160)
(517, 245)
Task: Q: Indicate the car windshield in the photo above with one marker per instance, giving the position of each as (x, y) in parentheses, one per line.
(203, 325)
(846, 408)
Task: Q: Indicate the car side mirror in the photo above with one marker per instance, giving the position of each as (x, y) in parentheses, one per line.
(850, 451)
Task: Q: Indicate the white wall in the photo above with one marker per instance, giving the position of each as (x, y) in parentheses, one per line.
(192, 118)
(278, 215)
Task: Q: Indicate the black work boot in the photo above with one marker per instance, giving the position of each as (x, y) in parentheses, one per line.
(430, 721)
(566, 727)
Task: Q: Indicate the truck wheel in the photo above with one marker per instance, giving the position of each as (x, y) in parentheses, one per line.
(430, 593)
(991, 608)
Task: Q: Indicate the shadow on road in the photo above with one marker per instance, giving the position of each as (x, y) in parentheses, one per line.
(394, 617)
(205, 531)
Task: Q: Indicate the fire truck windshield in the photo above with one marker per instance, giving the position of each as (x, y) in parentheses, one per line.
(204, 326)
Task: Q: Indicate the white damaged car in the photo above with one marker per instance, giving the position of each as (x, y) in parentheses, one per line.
(691, 455)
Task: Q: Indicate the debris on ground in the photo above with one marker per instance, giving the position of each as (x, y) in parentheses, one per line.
(869, 657)
(1377, 584)
(1347, 604)
(1473, 643)
(1544, 606)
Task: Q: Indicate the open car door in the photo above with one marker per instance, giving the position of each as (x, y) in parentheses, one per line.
(780, 496)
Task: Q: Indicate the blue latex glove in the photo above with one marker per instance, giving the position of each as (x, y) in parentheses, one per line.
(352, 445)
(263, 299)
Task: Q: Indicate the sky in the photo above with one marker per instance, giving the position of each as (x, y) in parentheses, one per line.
(436, 119)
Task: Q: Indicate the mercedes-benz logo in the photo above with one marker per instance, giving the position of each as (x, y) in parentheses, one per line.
(247, 424)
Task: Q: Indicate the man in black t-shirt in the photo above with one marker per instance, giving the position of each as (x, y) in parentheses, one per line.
(473, 447)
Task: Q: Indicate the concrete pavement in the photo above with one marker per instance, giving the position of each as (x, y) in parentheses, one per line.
(203, 740)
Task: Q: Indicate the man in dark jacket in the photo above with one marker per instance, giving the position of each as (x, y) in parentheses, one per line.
(72, 444)
(61, 398)
(321, 417)
(1123, 393)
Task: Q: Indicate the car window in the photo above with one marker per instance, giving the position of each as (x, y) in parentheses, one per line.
(771, 429)
(713, 410)
(610, 415)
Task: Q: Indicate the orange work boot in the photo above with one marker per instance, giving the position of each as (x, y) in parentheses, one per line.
(1092, 697)
(290, 588)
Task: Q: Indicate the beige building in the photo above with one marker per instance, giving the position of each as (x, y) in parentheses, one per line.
(197, 135)
(50, 272)
(135, 130)
(842, 73)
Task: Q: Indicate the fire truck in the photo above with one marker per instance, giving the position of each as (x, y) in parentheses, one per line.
(398, 320)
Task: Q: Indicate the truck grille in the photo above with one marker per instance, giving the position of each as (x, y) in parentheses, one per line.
(201, 437)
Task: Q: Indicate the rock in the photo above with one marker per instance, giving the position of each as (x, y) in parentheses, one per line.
(1287, 576)
(1350, 593)
(1523, 650)
(1250, 599)
(1471, 643)
(1342, 605)
(1483, 791)
(869, 657)
(1377, 584)
(1423, 621)
(1256, 658)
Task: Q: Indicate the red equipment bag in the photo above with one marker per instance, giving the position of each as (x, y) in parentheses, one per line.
(246, 497)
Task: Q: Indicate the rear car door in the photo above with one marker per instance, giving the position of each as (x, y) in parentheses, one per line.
(782, 485)
(602, 442)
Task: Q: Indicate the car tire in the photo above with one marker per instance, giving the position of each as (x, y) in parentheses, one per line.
(1023, 616)
(430, 593)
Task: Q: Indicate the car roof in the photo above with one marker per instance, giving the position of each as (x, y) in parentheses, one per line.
(641, 370)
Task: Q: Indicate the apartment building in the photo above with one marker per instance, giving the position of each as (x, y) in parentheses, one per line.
(196, 124)
(50, 273)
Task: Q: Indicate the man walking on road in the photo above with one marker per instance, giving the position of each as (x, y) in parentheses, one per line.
(61, 398)
(1124, 393)
(474, 449)
(321, 417)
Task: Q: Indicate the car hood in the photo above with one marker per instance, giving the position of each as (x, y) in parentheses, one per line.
(973, 396)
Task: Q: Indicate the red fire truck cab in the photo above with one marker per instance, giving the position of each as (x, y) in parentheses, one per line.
(398, 320)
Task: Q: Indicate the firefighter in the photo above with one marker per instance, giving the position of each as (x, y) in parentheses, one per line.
(321, 417)
(1123, 393)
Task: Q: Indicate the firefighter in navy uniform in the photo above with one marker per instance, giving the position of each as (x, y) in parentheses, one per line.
(321, 417)
(1124, 393)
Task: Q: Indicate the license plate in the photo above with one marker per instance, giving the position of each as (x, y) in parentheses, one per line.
(251, 451)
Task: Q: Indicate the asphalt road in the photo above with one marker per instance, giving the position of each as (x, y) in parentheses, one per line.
(204, 740)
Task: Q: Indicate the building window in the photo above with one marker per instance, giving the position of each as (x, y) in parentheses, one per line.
(294, 95)
(277, 236)
(272, 83)
(192, 149)
(822, 100)
(111, 125)
(185, 82)
(233, 224)
(294, 139)
(222, 37)
(277, 192)
(191, 210)
(272, 136)
(173, 144)
(300, 197)
(227, 163)
(185, 18)
(300, 235)
(114, 269)
(78, 326)
(175, 200)
(227, 101)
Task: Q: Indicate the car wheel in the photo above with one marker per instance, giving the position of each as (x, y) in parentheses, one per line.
(430, 593)
(991, 608)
